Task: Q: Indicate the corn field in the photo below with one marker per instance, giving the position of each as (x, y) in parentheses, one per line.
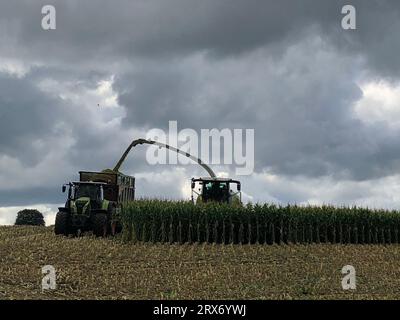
(160, 221)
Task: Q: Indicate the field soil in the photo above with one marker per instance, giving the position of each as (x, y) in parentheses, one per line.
(93, 268)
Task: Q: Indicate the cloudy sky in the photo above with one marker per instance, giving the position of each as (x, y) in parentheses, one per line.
(324, 102)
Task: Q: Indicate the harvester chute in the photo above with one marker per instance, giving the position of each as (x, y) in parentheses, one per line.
(161, 145)
(212, 188)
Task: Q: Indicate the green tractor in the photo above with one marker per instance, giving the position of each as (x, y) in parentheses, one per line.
(86, 209)
(94, 203)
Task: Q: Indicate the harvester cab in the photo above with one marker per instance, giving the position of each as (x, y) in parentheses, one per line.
(217, 190)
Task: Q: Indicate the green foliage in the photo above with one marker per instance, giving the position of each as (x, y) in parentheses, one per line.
(184, 222)
(29, 217)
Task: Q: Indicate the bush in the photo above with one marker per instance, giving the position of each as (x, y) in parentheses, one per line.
(29, 217)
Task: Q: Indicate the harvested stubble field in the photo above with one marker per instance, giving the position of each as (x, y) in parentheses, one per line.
(93, 268)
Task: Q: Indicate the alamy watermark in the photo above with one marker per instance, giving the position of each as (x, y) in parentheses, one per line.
(49, 278)
(212, 146)
(49, 18)
(349, 280)
(348, 21)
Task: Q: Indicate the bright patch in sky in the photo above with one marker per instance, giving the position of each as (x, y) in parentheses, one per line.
(13, 67)
(380, 103)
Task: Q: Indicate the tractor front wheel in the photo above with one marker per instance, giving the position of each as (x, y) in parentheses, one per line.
(100, 224)
(62, 224)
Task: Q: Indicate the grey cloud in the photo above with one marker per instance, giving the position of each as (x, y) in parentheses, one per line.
(300, 106)
(26, 115)
(112, 32)
(32, 196)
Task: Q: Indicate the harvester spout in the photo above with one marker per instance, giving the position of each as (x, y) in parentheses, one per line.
(162, 145)
(133, 144)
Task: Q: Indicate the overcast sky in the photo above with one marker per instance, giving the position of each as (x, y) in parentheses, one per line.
(324, 102)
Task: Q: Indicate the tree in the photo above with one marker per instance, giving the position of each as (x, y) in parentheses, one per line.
(29, 217)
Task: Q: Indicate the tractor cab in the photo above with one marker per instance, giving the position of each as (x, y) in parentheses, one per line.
(85, 209)
(89, 190)
(221, 190)
(84, 196)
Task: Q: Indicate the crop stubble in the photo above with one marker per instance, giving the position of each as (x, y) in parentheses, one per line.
(93, 268)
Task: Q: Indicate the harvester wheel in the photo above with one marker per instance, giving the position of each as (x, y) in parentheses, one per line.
(62, 225)
(100, 224)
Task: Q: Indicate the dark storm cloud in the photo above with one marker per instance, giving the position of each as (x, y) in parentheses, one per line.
(300, 106)
(32, 196)
(118, 30)
(26, 114)
(45, 139)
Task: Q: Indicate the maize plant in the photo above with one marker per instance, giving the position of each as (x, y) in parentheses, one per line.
(160, 221)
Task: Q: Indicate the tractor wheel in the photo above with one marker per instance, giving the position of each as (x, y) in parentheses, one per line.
(100, 225)
(62, 224)
(113, 226)
(116, 228)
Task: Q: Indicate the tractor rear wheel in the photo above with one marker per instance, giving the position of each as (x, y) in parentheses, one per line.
(62, 224)
(100, 224)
